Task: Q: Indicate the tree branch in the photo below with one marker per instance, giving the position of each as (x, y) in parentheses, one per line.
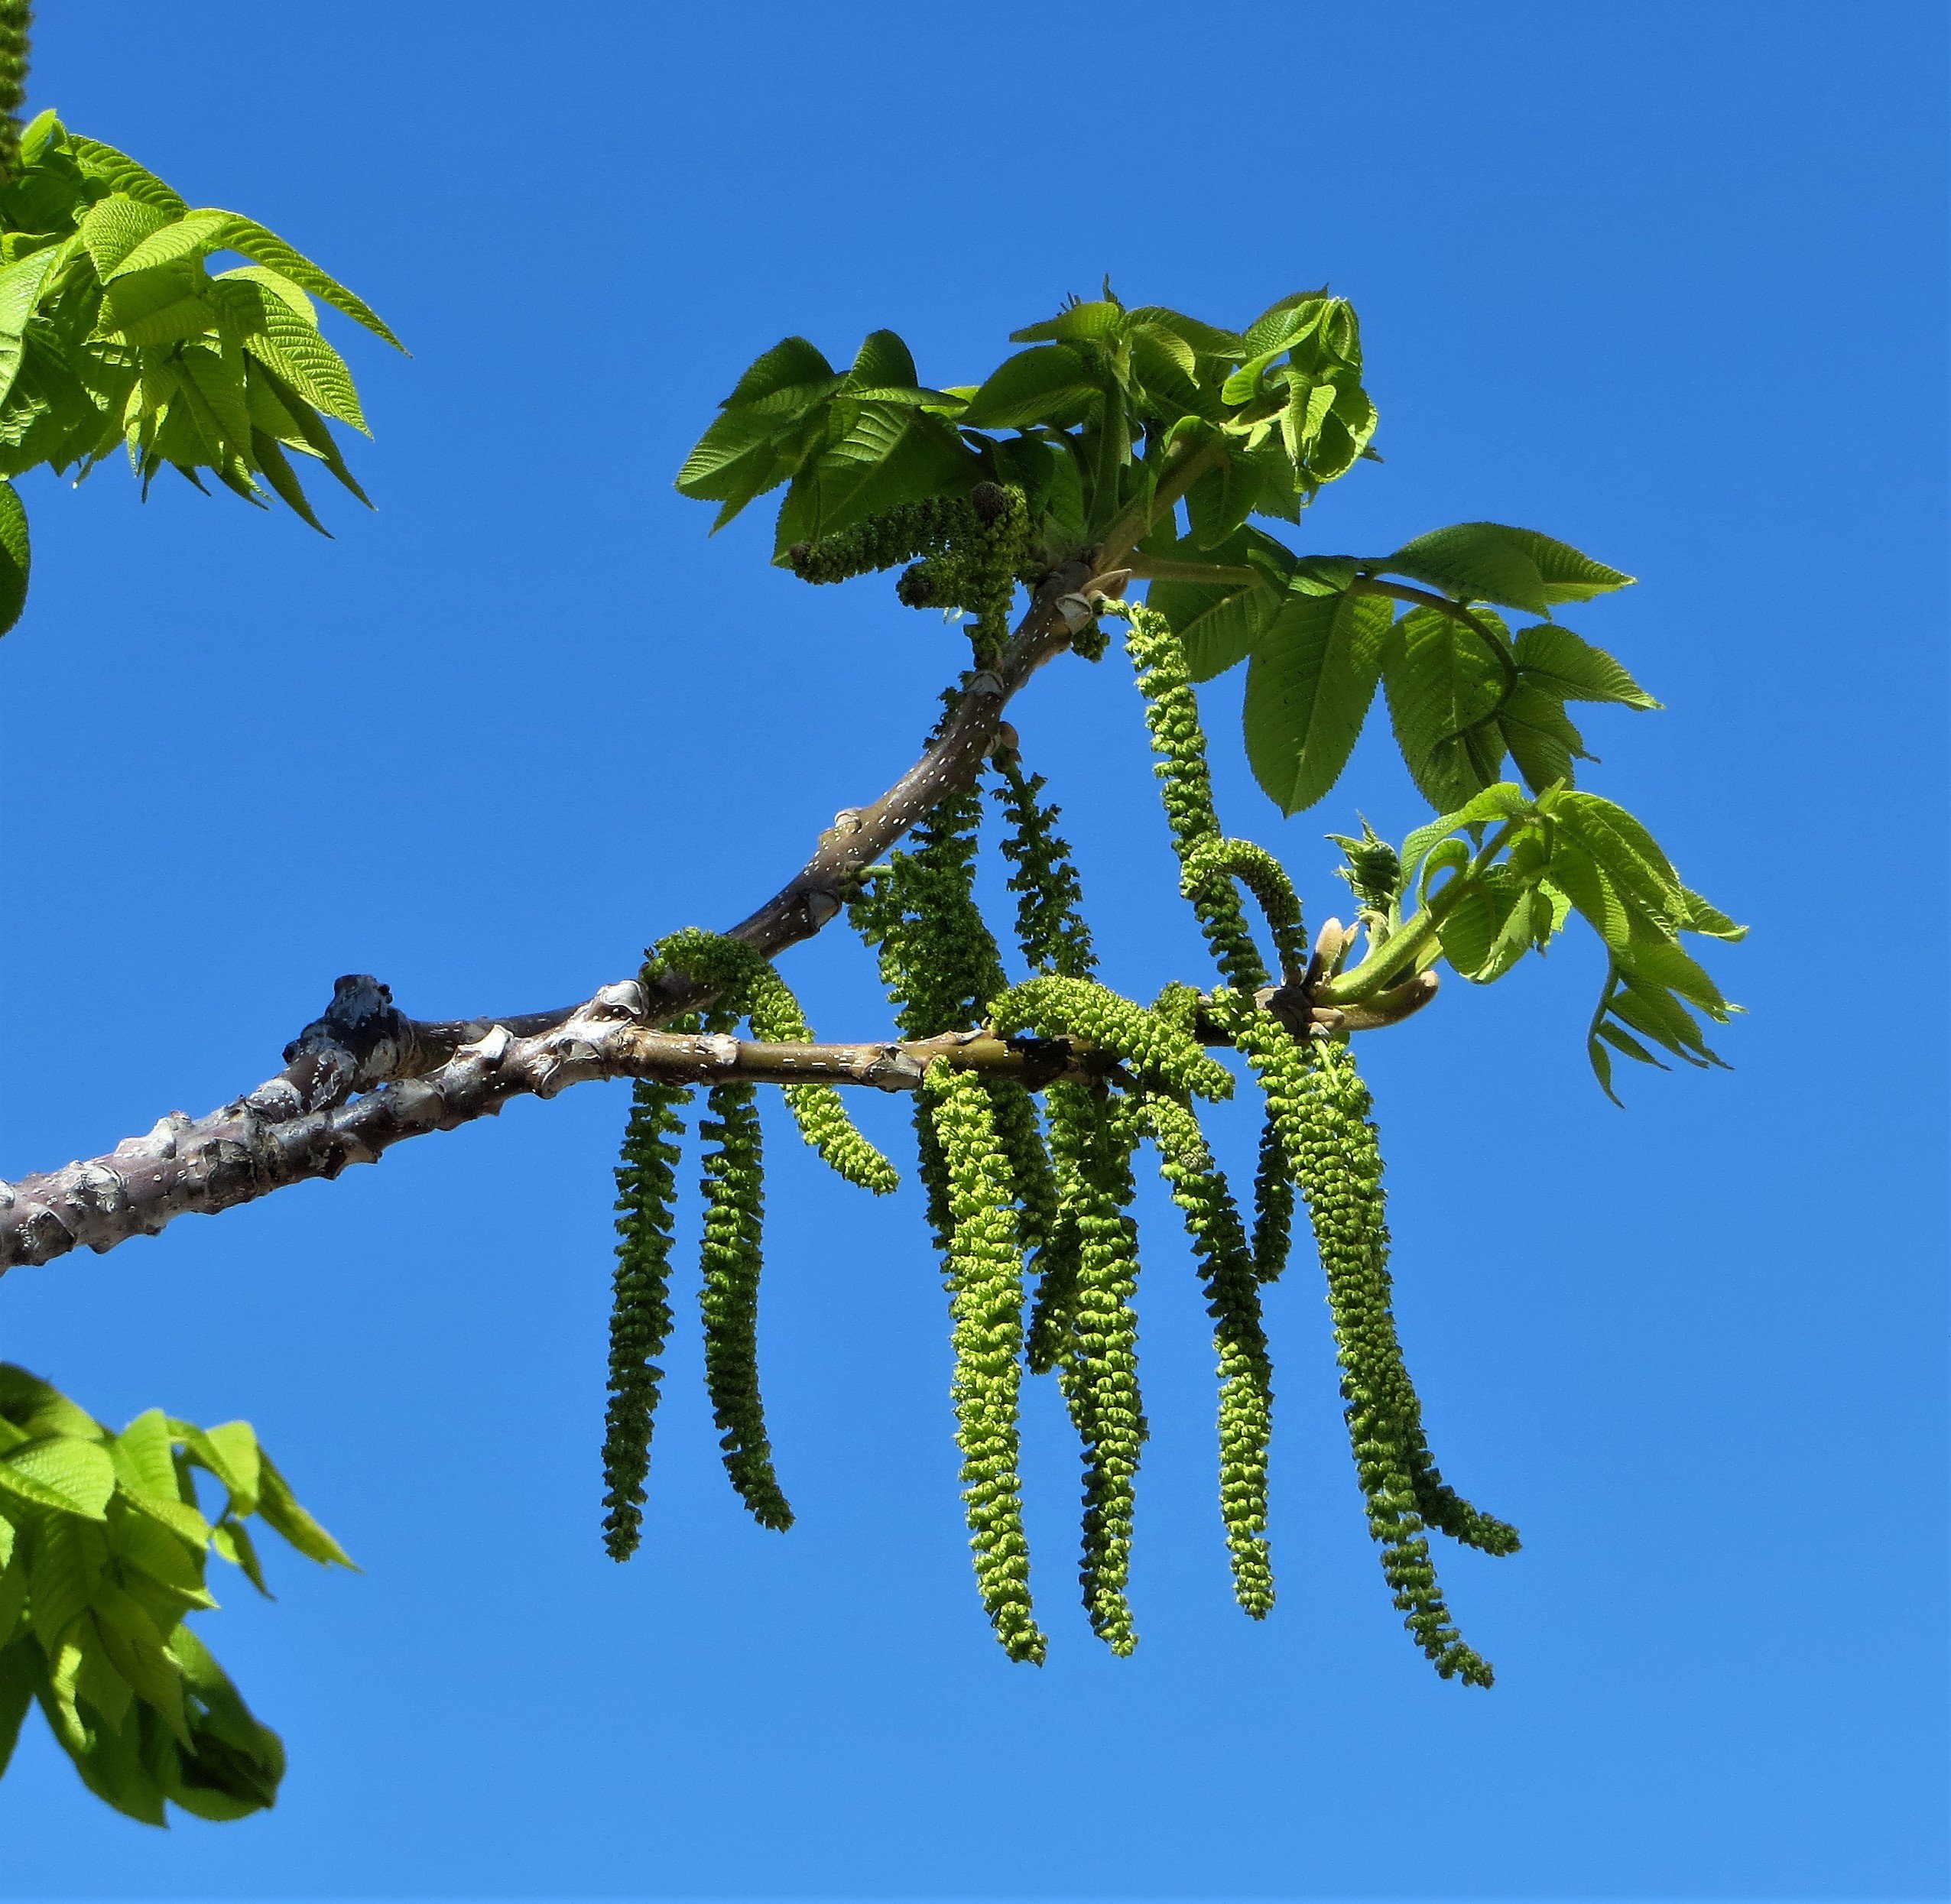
(364, 1076)
(242, 1151)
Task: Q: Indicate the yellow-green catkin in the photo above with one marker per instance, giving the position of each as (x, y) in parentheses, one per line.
(1320, 1108)
(749, 987)
(1091, 1144)
(640, 1314)
(735, 1208)
(1210, 864)
(16, 24)
(1186, 786)
(985, 1267)
(1159, 1054)
(1239, 1343)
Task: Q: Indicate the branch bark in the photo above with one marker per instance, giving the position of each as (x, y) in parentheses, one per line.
(310, 1120)
(364, 1076)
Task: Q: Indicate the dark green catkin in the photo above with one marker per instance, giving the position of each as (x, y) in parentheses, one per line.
(1273, 1206)
(16, 24)
(1320, 1107)
(1172, 718)
(735, 1208)
(978, 571)
(931, 526)
(1091, 1143)
(1049, 925)
(938, 960)
(985, 1266)
(749, 987)
(972, 548)
(640, 1314)
(1239, 1343)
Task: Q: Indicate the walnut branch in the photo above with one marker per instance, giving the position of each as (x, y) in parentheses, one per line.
(364, 1076)
(246, 1149)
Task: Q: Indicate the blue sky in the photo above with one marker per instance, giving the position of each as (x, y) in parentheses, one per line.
(1666, 280)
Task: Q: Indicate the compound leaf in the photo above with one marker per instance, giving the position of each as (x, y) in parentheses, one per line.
(1308, 690)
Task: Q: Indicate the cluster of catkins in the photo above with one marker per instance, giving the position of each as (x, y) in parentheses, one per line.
(973, 550)
(747, 987)
(1030, 1206)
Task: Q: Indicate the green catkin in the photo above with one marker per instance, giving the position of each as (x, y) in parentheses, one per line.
(1160, 1055)
(991, 514)
(978, 571)
(1438, 1504)
(734, 1206)
(1051, 1316)
(639, 1315)
(939, 960)
(1179, 1005)
(16, 24)
(1239, 1342)
(1050, 927)
(1209, 864)
(971, 549)
(1320, 1107)
(749, 987)
(1273, 1206)
(933, 525)
(1091, 1143)
(1172, 718)
(985, 1267)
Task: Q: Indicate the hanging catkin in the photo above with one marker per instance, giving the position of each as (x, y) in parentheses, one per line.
(1091, 1143)
(1159, 1055)
(978, 569)
(1186, 786)
(749, 987)
(735, 1207)
(985, 1266)
(1239, 1342)
(16, 24)
(1210, 864)
(640, 1314)
(1319, 1106)
(938, 960)
(1273, 1206)
(1050, 926)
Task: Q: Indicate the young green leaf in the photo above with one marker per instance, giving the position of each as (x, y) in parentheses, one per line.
(1050, 383)
(115, 226)
(1308, 690)
(16, 557)
(1076, 324)
(247, 236)
(1560, 662)
(1443, 684)
(72, 1476)
(195, 234)
(122, 175)
(1515, 568)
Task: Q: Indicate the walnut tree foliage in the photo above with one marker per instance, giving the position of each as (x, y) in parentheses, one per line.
(1156, 467)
